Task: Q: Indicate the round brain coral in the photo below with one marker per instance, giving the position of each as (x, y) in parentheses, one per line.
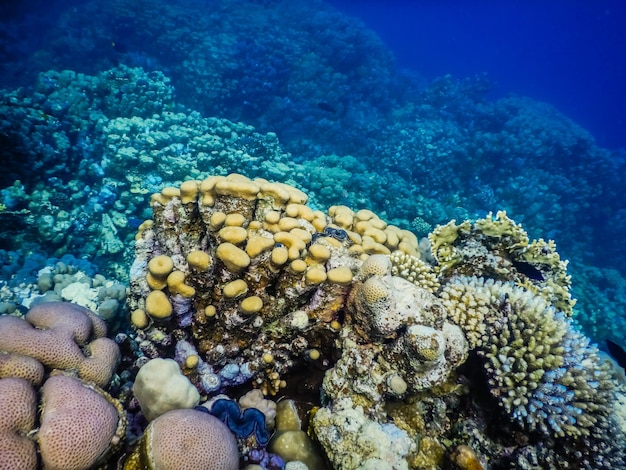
(160, 387)
(18, 409)
(55, 333)
(188, 439)
(79, 424)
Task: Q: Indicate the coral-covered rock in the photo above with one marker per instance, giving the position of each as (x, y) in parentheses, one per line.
(229, 266)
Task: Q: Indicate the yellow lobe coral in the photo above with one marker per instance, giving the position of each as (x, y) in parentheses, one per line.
(235, 259)
(234, 235)
(199, 260)
(189, 191)
(315, 276)
(176, 284)
(319, 253)
(251, 305)
(297, 266)
(341, 275)
(160, 266)
(158, 305)
(257, 245)
(216, 220)
(234, 220)
(280, 255)
(207, 188)
(139, 318)
(292, 242)
(247, 190)
(287, 223)
(235, 288)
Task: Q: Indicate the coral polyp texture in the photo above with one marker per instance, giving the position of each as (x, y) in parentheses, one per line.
(185, 439)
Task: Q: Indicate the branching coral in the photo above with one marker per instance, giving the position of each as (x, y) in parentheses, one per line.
(541, 370)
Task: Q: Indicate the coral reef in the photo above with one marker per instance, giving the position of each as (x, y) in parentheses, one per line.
(367, 347)
(244, 285)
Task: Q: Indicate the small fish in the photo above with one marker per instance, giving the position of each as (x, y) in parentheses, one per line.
(617, 352)
(528, 270)
(326, 107)
(119, 47)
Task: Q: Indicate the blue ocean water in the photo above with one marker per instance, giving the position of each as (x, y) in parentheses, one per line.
(568, 53)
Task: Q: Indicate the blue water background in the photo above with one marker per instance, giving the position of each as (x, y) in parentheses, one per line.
(571, 54)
